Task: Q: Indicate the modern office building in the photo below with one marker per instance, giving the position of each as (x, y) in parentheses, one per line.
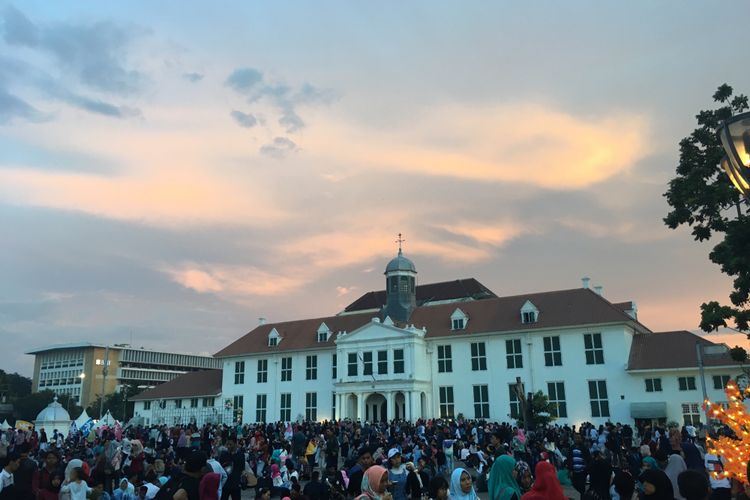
(78, 369)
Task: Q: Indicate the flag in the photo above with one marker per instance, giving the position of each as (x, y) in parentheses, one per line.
(73, 428)
(86, 428)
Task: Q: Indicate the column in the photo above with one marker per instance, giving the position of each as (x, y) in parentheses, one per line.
(390, 398)
(411, 414)
(360, 407)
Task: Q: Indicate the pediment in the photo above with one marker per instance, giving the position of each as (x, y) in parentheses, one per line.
(376, 331)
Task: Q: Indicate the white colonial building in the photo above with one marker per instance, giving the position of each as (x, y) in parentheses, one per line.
(455, 348)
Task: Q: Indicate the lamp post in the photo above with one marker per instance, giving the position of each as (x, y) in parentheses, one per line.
(734, 134)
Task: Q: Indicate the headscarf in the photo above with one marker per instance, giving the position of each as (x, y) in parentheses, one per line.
(209, 486)
(275, 471)
(455, 492)
(661, 482)
(502, 485)
(652, 463)
(693, 458)
(546, 486)
(371, 482)
(521, 436)
(675, 466)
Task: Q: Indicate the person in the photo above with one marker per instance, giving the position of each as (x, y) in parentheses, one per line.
(356, 473)
(189, 483)
(234, 463)
(502, 484)
(461, 487)
(675, 467)
(23, 477)
(438, 489)
(523, 475)
(375, 484)
(48, 479)
(546, 486)
(316, 489)
(209, 486)
(125, 491)
(650, 463)
(693, 485)
(332, 451)
(578, 462)
(721, 487)
(600, 474)
(397, 474)
(656, 485)
(7, 488)
(623, 486)
(415, 485)
(76, 487)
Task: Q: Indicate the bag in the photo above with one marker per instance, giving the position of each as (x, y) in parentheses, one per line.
(248, 479)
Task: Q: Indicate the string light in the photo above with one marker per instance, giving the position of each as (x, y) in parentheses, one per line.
(734, 450)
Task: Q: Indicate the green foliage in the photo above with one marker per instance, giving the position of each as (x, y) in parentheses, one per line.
(703, 198)
(118, 404)
(14, 386)
(29, 406)
(541, 410)
(738, 354)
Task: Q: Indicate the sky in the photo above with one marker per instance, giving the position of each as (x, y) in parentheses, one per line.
(172, 171)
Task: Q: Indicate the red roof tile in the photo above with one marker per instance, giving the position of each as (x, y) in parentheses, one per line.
(191, 384)
(673, 350)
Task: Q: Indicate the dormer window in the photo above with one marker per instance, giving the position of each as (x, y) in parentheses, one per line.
(459, 319)
(323, 333)
(274, 338)
(529, 313)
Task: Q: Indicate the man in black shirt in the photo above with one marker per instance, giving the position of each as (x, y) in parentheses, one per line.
(235, 466)
(356, 473)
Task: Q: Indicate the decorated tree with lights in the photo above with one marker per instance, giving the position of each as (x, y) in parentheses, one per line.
(734, 449)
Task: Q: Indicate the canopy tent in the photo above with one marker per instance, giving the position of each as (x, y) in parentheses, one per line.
(5, 425)
(82, 419)
(107, 420)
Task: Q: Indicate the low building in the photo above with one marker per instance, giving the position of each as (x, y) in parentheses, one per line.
(191, 398)
(78, 369)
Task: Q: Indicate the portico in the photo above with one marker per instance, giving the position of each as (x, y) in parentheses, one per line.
(383, 403)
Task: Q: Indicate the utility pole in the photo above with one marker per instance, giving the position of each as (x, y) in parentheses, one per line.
(104, 381)
(699, 354)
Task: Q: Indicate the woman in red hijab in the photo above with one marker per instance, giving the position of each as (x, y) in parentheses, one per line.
(546, 486)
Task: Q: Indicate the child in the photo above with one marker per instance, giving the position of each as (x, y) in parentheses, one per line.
(75, 486)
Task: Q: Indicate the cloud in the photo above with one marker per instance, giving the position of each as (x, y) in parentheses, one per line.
(12, 107)
(279, 148)
(193, 77)
(18, 29)
(345, 290)
(245, 120)
(231, 281)
(244, 80)
(20, 154)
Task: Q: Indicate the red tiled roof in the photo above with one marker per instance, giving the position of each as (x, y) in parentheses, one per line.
(191, 384)
(673, 350)
(431, 292)
(556, 309)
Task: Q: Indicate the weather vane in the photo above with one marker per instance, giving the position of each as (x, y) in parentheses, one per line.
(399, 241)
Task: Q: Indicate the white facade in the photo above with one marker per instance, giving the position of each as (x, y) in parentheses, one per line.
(181, 411)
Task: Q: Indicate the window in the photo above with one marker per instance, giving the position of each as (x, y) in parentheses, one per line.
(721, 381)
(458, 324)
(446, 402)
(260, 407)
(311, 367)
(686, 383)
(382, 362)
(334, 368)
(273, 341)
(398, 361)
(552, 354)
(515, 403)
(478, 356)
(691, 413)
(367, 363)
(286, 369)
(193, 402)
(262, 371)
(593, 346)
(239, 403)
(208, 402)
(556, 396)
(162, 404)
(311, 406)
(598, 398)
(178, 403)
(653, 385)
(528, 317)
(481, 401)
(147, 405)
(352, 365)
(285, 413)
(513, 353)
(322, 336)
(239, 372)
(445, 359)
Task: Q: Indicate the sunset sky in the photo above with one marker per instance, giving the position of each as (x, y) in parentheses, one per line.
(171, 171)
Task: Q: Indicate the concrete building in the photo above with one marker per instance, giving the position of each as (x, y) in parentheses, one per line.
(455, 348)
(77, 369)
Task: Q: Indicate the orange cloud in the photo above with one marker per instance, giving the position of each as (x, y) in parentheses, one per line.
(231, 280)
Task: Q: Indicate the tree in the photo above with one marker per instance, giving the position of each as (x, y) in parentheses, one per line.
(542, 411)
(703, 198)
(29, 406)
(118, 403)
(13, 386)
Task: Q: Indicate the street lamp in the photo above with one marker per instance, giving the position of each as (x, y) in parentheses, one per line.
(734, 134)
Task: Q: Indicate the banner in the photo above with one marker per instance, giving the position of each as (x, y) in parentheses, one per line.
(86, 428)
(23, 425)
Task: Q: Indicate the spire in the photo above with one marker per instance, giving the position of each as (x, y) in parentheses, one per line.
(399, 241)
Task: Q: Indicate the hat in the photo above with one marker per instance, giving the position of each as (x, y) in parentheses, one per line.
(393, 452)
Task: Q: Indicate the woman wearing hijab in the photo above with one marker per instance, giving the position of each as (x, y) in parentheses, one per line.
(675, 466)
(502, 484)
(650, 463)
(546, 486)
(209, 486)
(461, 487)
(656, 485)
(375, 484)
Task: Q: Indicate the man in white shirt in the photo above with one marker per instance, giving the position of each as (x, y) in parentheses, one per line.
(217, 468)
(7, 486)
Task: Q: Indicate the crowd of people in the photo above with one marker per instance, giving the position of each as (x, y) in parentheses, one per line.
(427, 459)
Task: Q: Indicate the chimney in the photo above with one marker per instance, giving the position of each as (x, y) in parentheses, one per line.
(261, 321)
(599, 290)
(633, 311)
(585, 281)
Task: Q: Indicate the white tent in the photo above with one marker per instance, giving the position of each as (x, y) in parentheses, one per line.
(82, 419)
(5, 425)
(107, 420)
